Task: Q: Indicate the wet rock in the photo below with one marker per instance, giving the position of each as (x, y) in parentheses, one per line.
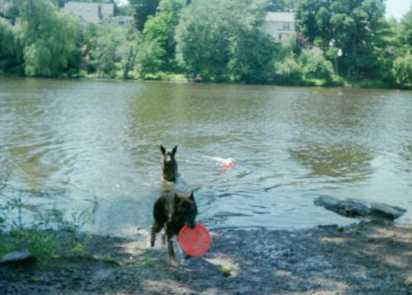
(359, 208)
(18, 257)
(386, 211)
(348, 207)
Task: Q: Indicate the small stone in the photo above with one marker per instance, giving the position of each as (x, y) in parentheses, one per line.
(226, 270)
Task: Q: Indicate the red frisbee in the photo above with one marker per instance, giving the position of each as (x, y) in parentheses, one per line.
(195, 241)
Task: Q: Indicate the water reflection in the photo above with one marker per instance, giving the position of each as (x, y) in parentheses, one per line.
(341, 163)
(89, 149)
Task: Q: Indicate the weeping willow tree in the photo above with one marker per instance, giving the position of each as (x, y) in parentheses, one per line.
(49, 37)
(10, 53)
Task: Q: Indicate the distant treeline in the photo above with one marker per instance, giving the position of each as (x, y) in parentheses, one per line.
(338, 42)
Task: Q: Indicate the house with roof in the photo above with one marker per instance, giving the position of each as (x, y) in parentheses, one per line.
(4, 7)
(97, 13)
(280, 25)
(90, 13)
(121, 21)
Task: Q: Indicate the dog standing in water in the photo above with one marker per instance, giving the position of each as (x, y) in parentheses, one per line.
(172, 210)
(169, 164)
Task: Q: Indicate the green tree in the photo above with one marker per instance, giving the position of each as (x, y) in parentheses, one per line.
(202, 39)
(125, 10)
(387, 50)
(220, 40)
(49, 38)
(129, 60)
(400, 58)
(282, 5)
(316, 66)
(60, 3)
(142, 10)
(405, 32)
(9, 9)
(251, 54)
(10, 53)
(108, 49)
(159, 30)
(149, 57)
(402, 70)
(289, 70)
(356, 27)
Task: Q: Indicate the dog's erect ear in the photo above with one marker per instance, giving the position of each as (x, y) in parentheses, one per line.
(163, 150)
(174, 151)
(192, 196)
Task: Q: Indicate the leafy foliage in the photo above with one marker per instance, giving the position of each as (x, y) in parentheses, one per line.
(10, 53)
(212, 39)
(406, 29)
(215, 40)
(316, 66)
(251, 55)
(282, 5)
(149, 57)
(356, 27)
(402, 70)
(49, 37)
(105, 48)
(159, 31)
(289, 70)
(202, 49)
(142, 10)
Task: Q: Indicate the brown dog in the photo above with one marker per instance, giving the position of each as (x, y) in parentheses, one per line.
(172, 211)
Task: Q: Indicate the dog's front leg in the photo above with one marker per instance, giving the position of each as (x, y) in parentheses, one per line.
(170, 248)
(172, 256)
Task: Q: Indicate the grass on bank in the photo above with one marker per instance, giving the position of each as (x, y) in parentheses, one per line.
(43, 244)
(180, 78)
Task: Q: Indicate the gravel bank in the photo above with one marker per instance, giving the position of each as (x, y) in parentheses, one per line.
(359, 259)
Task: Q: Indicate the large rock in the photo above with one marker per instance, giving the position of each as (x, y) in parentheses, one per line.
(348, 207)
(18, 257)
(385, 211)
(359, 208)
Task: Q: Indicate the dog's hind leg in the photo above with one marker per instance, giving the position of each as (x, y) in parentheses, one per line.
(156, 228)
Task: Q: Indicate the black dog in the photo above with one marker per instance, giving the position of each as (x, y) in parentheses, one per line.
(169, 164)
(172, 211)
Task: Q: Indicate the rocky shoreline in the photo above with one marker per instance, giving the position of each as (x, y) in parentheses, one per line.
(365, 258)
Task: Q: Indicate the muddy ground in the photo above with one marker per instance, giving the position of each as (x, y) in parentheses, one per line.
(359, 259)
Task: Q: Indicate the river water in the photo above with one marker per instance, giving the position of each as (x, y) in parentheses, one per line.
(87, 152)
